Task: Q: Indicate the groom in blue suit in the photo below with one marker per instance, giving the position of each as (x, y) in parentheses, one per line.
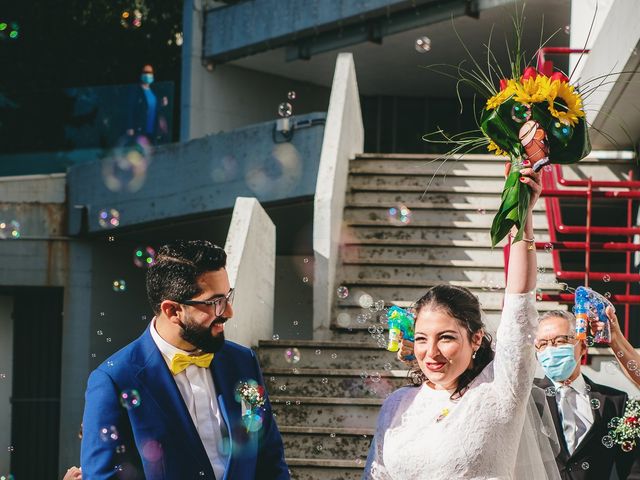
(167, 406)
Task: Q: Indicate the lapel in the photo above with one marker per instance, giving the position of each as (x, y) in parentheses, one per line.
(155, 377)
(555, 414)
(598, 414)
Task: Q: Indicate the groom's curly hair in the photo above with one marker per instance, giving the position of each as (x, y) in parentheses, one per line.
(177, 266)
(464, 306)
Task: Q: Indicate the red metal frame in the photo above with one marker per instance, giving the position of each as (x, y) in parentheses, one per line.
(629, 191)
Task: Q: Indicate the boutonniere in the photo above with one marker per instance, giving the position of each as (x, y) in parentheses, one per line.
(250, 395)
(625, 431)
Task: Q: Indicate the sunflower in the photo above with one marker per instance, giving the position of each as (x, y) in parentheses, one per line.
(493, 147)
(499, 98)
(570, 107)
(533, 90)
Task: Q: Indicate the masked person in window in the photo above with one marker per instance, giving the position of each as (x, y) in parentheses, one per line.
(580, 408)
(145, 115)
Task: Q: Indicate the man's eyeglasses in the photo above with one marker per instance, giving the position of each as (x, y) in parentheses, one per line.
(555, 342)
(220, 303)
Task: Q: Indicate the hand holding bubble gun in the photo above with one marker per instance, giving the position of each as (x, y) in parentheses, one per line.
(400, 323)
(590, 307)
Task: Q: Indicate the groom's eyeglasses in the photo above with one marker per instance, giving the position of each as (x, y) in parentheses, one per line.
(555, 342)
(220, 303)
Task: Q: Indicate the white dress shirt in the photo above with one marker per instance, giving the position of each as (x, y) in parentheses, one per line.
(199, 395)
(574, 405)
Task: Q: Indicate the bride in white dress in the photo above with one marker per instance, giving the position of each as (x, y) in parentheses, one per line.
(465, 420)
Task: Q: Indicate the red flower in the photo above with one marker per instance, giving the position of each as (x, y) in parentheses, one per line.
(529, 72)
(503, 83)
(559, 76)
(631, 420)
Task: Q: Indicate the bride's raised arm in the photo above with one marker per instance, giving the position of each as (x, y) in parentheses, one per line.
(514, 363)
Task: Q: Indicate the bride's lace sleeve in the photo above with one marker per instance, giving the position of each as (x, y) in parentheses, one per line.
(375, 468)
(515, 361)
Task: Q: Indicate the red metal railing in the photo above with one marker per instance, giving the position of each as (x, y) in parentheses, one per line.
(629, 190)
(545, 66)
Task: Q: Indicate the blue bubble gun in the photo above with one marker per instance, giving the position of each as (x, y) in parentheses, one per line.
(591, 306)
(399, 321)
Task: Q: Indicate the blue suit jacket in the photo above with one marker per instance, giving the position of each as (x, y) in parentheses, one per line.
(157, 440)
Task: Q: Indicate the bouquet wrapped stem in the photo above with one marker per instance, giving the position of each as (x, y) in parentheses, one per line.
(514, 205)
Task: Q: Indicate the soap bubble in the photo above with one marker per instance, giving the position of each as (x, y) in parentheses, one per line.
(318, 352)
(291, 95)
(343, 319)
(550, 391)
(632, 365)
(279, 172)
(627, 446)
(144, 257)
(276, 336)
(343, 292)
(152, 451)
(325, 381)
(109, 218)
(585, 465)
(252, 421)
(130, 399)
(10, 229)
(400, 215)
(606, 277)
(567, 29)
(126, 166)
(363, 318)
(225, 170)
(292, 355)
(595, 403)
(9, 31)
(548, 247)
(285, 110)
(109, 433)
(607, 441)
(589, 341)
(423, 45)
(365, 300)
(520, 113)
(119, 285)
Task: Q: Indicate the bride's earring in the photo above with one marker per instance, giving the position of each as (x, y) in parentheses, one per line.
(474, 354)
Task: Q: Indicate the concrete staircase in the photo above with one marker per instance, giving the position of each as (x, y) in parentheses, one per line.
(326, 403)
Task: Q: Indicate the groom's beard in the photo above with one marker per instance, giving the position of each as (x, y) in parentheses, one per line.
(201, 337)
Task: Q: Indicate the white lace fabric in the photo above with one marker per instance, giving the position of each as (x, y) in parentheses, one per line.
(479, 436)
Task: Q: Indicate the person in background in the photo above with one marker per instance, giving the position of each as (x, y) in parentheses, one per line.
(581, 409)
(144, 109)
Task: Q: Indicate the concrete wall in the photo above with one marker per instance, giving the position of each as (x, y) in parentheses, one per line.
(343, 139)
(587, 18)
(251, 265)
(228, 97)
(6, 378)
(205, 175)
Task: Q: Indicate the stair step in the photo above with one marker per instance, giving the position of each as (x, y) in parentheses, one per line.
(317, 444)
(325, 355)
(363, 382)
(411, 235)
(423, 166)
(484, 203)
(425, 183)
(429, 218)
(415, 276)
(325, 469)
(429, 256)
(326, 412)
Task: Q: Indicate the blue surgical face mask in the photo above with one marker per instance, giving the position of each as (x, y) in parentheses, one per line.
(558, 362)
(146, 78)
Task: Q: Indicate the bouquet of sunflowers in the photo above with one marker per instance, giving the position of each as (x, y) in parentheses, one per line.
(528, 115)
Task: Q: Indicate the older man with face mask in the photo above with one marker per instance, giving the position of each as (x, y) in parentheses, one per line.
(581, 409)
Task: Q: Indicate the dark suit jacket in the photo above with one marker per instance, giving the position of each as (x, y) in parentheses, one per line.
(159, 438)
(591, 451)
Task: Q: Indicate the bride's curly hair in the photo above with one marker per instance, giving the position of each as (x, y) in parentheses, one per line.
(464, 306)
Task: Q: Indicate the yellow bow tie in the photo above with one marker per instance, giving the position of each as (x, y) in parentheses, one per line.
(180, 361)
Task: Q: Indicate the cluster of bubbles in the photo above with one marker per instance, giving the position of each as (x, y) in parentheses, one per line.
(144, 257)
(285, 109)
(423, 45)
(9, 230)
(125, 168)
(109, 218)
(119, 285)
(131, 18)
(109, 433)
(400, 215)
(520, 112)
(292, 355)
(130, 399)
(9, 30)
(279, 172)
